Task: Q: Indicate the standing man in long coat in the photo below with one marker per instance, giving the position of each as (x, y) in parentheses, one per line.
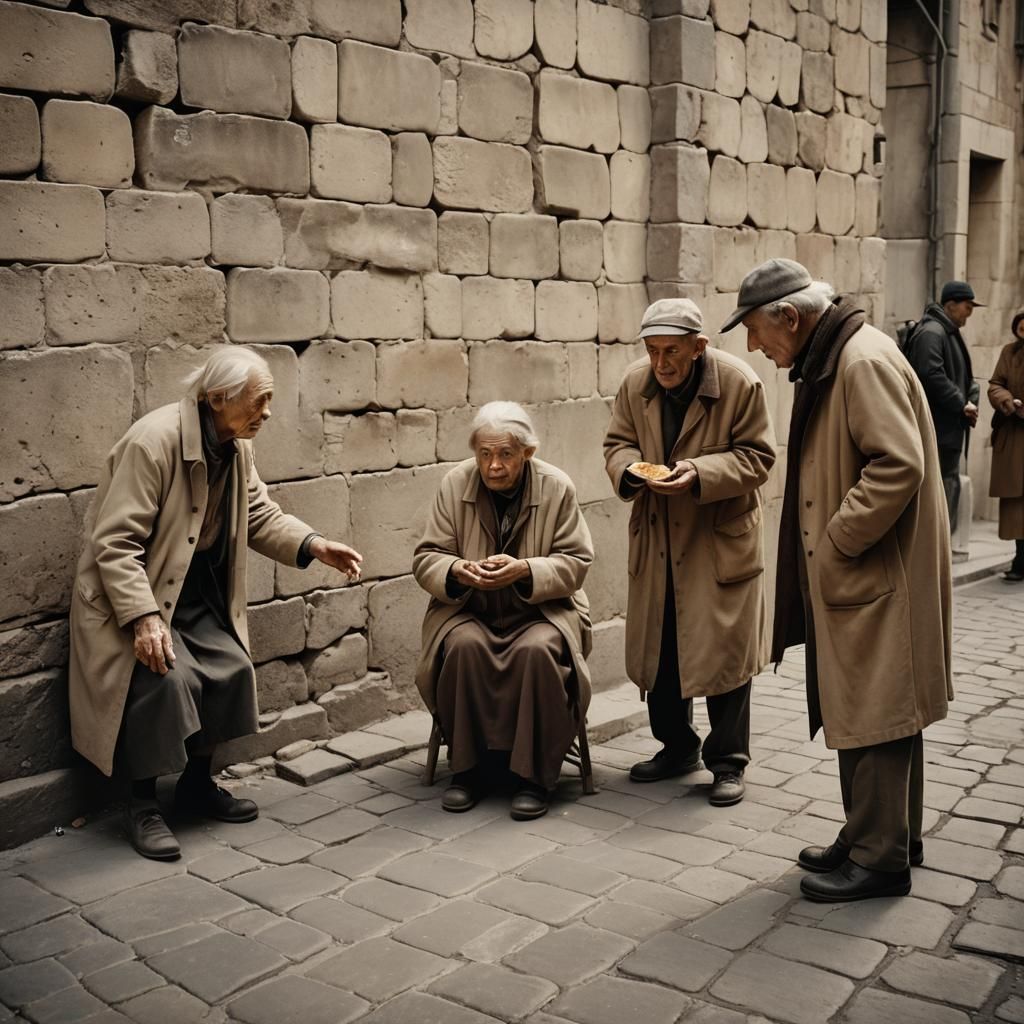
(696, 623)
(160, 669)
(864, 574)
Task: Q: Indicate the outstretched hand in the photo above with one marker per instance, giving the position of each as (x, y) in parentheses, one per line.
(684, 476)
(337, 556)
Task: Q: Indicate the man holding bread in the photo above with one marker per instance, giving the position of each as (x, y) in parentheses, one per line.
(689, 444)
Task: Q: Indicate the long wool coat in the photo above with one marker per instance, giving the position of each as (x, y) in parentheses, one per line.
(875, 535)
(145, 520)
(553, 538)
(712, 536)
(1007, 381)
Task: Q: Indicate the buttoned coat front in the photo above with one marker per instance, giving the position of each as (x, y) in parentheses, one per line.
(713, 535)
(144, 524)
(551, 535)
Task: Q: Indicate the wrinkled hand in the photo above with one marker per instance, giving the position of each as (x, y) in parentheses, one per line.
(153, 646)
(971, 413)
(1012, 407)
(494, 573)
(684, 476)
(337, 556)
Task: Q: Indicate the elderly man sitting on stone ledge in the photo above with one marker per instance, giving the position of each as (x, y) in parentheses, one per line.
(503, 557)
(160, 670)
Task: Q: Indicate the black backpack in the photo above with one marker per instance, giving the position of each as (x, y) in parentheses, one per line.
(905, 334)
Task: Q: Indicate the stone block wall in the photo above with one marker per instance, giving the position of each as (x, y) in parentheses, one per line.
(410, 209)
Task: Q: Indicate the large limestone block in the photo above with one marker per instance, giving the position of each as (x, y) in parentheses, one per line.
(574, 183)
(354, 444)
(566, 311)
(580, 249)
(23, 323)
(817, 81)
(577, 112)
(844, 143)
(503, 29)
(874, 20)
(818, 254)
(332, 613)
(801, 200)
(396, 609)
(277, 305)
(813, 32)
(245, 231)
(431, 373)
(19, 128)
(495, 104)
(608, 521)
(848, 14)
(87, 144)
(157, 227)
(852, 62)
(41, 222)
(474, 175)
(164, 15)
(524, 245)
(375, 304)
(620, 308)
(463, 242)
(764, 65)
(412, 168)
(381, 88)
(682, 252)
(281, 684)
(496, 308)
(555, 30)
(872, 264)
(612, 45)
(33, 648)
(775, 16)
(55, 52)
(350, 163)
(234, 72)
(625, 251)
(766, 184)
(314, 80)
(721, 124)
(373, 21)
(338, 376)
(868, 196)
(64, 410)
(443, 25)
(518, 371)
(630, 186)
(878, 73)
(847, 262)
(634, 105)
(302, 722)
(417, 437)
(276, 628)
(148, 71)
(731, 15)
(730, 65)
(836, 202)
(789, 78)
(388, 514)
(220, 152)
(683, 50)
(442, 305)
(675, 113)
(735, 255)
(582, 369)
(753, 131)
(782, 139)
(679, 184)
(560, 426)
(769, 245)
(727, 192)
(614, 360)
(811, 133)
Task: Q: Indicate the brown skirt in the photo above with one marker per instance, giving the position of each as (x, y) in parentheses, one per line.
(510, 693)
(1011, 518)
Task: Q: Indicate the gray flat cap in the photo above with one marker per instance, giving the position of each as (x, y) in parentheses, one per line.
(671, 316)
(774, 279)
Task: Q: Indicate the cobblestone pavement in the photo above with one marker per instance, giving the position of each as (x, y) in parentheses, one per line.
(359, 899)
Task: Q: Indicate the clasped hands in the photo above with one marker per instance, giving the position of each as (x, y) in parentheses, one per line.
(971, 413)
(684, 476)
(1012, 407)
(492, 573)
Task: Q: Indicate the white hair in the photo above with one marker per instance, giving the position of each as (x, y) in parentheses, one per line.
(229, 369)
(505, 418)
(814, 298)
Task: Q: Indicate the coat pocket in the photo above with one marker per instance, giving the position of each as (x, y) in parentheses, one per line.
(638, 537)
(738, 547)
(852, 582)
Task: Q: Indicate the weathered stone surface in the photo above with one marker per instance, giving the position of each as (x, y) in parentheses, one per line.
(735, 254)
(277, 305)
(764, 65)
(844, 143)
(630, 186)
(373, 21)
(393, 605)
(581, 249)
(731, 15)
(337, 376)
(442, 305)
(782, 137)
(490, 176)
(775, 16)
(234, 72)
(566, 311)
(817, 81)
(359, 443)
(495, 104)
(620, 308)
(412, 169)
(332, 613)
(574, 182)
(280, 684)
(350, 163)
(380, 88)
(577, 112)
(55, 52)
(836, 202)
(851, 51)
(39, 543)
(555, 28)
(157, 227)
(765, 184)
(431, 373)
(811, 133)
(417, 436)
(21, 298)
(359, 704)
(276, 628)
(34, 728)
(753, 132)
(337, 664)
(19, 125)
(846, 276)
(872, 264)
(541, 369)
(612, 45)
(220, 152)
(812, 32)
(730, 65)
(87, 143)
(721, 124)
(634, 118)
(675, 113)
(245, 231)
(625, 251)
(496, 308)
(374, 304)
(683, 50)
(33, 648)
(524, 246)
(801, 200)
(727, 192)
(681, 252)
(463, 243)
(164, 15)
(314, 80)
(444, 25)
(503, 29)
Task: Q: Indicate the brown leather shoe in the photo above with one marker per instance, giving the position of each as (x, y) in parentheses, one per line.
(148, 832)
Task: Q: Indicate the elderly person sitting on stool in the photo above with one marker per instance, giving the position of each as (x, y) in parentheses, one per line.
(503, 557)
(160, 669)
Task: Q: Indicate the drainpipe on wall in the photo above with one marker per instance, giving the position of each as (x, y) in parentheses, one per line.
(949, 149)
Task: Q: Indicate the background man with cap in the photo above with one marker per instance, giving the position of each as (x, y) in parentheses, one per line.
(864, 575)
(696, 621)
(940, 358)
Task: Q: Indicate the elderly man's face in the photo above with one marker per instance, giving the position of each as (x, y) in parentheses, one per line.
(959, 312)
(243, 415)
(501, 460)
(672, 356)
(775, 336)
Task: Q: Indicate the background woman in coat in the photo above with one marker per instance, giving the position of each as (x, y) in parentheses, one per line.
(503, 557)
(1006, 393)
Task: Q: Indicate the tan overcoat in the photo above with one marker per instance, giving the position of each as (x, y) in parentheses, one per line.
(144, 522)
(875, 534)
(1007, 381)
(551, 535)
(713, 536)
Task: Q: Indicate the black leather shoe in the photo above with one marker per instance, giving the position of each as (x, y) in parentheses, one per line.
(463, 794)
(1014, 574)
(148, 832)
(530, 802)
(850, 882)
(828, 858)
(665, 764)
(727, 789)
(213, 802)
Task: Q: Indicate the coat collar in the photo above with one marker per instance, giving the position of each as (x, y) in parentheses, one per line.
(191, 432)
(709, 387)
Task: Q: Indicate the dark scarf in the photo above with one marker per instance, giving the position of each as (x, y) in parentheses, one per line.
(675, 404)
(813, 371)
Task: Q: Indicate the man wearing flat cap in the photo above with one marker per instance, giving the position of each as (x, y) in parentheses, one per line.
(864, 575)
(939, 356)
(696, 620)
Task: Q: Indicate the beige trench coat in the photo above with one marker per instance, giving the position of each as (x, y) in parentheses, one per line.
(875, 534)
(554, 539)
(144, 522)
(713, 536)
(1007, 381)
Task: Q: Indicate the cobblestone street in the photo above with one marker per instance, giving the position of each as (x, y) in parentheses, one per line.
(359, 899)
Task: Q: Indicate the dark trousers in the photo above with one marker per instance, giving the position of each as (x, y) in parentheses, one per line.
(883, 790)
(949, 467)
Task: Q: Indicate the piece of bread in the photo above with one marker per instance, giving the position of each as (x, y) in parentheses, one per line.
(649, 470)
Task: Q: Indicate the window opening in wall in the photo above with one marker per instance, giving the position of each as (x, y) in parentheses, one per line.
(990, 17)
(986, 225)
